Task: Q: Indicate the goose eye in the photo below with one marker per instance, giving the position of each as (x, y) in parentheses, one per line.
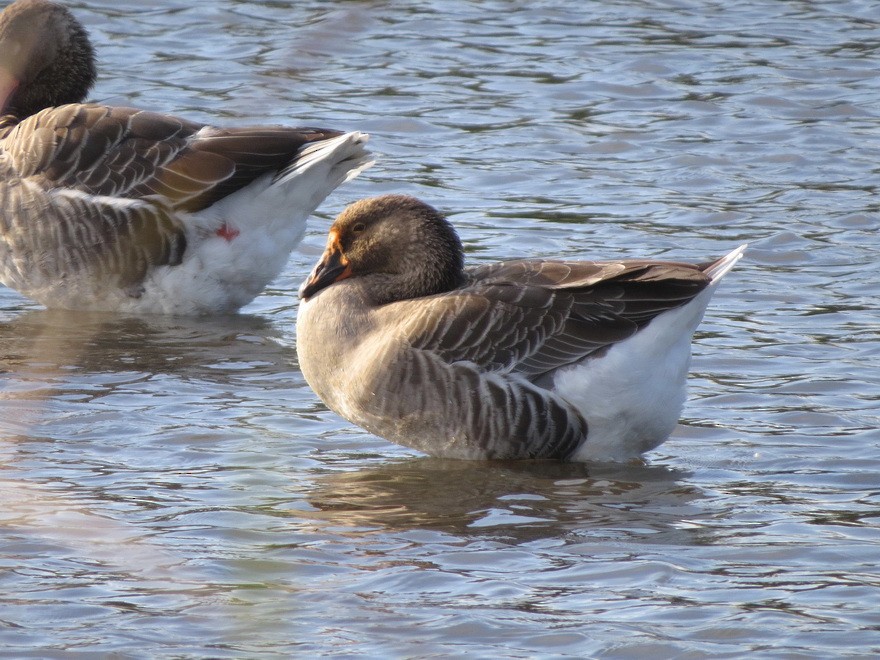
(358, 228)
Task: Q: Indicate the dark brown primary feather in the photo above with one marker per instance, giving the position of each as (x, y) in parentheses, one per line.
(250, 152)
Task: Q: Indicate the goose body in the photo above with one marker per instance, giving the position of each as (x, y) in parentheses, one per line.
(574, 360)
(119, 209)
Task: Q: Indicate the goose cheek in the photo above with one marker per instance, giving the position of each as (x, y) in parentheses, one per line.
(8, 85)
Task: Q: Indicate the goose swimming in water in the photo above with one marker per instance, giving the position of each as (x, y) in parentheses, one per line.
(118, 209)
(577, 360)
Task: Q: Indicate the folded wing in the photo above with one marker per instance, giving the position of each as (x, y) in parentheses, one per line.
(531, 317)
(115, 151)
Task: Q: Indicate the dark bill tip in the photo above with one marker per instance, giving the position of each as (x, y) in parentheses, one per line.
(332, 267)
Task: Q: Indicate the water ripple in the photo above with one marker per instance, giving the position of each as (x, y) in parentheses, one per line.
(172, 487)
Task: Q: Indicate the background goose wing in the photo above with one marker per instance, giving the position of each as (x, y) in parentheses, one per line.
(532, 317)
(58, 235)
(124, 152)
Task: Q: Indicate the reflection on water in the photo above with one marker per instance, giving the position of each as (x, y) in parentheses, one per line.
(171, 487)
(528, 500)
(55, 340)
(52, 358)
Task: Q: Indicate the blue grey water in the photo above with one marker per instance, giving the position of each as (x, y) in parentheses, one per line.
(172, 488)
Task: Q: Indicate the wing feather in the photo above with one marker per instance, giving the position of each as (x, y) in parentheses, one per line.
(66, 235)
(533, 317)
(124, 152)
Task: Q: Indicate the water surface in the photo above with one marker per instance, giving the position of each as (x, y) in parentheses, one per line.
(172, 488)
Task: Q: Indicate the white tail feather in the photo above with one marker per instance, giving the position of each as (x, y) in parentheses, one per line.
(347, 153)
(720, 268)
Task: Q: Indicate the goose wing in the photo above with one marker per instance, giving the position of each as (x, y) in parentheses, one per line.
(532, 317)
(124, 152)
(64, 235)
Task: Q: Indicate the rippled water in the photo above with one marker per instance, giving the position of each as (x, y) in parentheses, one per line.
(172, 488)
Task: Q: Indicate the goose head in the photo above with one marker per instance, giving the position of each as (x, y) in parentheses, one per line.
(405, 248)
(46, 58)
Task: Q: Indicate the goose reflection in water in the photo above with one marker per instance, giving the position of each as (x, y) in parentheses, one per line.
(512, 499)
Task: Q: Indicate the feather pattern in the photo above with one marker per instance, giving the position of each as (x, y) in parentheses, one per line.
(496, 366)
(115, 208)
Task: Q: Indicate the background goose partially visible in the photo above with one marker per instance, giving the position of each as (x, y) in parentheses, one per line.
(524, 359)
(116, 209)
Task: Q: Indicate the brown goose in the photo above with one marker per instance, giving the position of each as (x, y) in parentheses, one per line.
(577, 360)
(118, 209)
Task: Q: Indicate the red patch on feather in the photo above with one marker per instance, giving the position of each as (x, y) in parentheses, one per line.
(227, 232)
